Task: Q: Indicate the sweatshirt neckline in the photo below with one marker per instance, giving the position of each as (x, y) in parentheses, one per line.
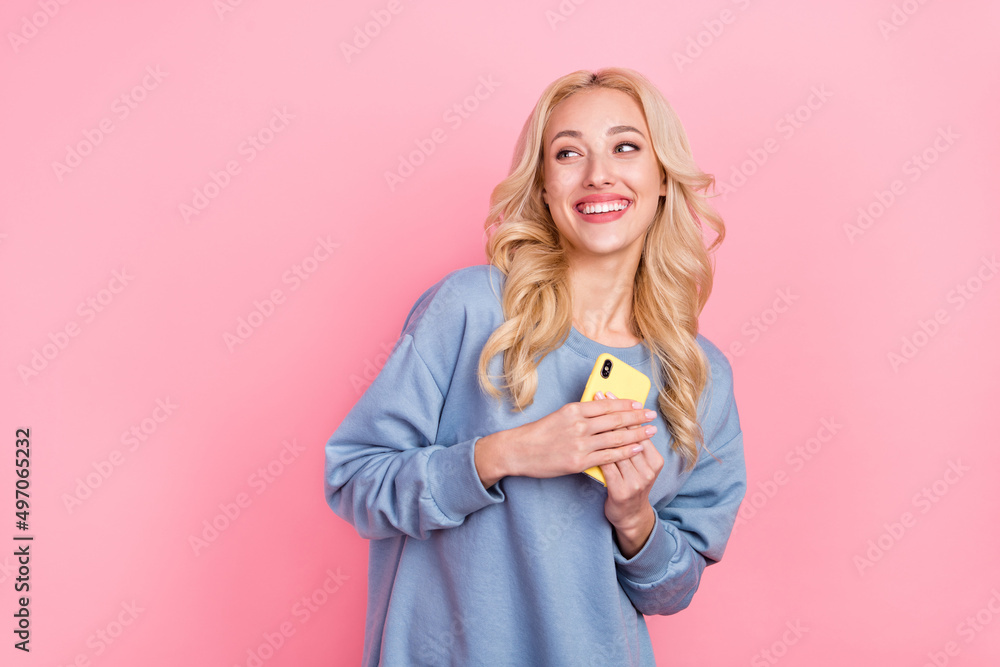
(591, 349)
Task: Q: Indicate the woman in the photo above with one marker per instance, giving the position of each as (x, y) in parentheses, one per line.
(461, 462)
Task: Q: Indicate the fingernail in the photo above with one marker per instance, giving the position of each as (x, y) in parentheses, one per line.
(637, 448)
(636, 405)
(610, 395)
(650, 430)
(650, 414)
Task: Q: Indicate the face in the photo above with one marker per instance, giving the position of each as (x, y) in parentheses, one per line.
(597, 155)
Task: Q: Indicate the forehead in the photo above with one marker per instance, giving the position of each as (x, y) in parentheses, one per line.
(593, 111)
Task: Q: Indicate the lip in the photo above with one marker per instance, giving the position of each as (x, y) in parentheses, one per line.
(593, 199)
(610, 216)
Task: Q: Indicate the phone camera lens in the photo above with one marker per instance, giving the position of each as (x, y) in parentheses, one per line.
(606, 369)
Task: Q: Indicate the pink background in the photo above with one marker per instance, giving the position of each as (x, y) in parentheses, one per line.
(870, 521)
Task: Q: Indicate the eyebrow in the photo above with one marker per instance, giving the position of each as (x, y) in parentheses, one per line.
(617, 129)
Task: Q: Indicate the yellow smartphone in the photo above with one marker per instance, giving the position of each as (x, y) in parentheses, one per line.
(611, 374)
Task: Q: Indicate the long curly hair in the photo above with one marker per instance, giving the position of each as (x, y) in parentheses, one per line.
(672, 282)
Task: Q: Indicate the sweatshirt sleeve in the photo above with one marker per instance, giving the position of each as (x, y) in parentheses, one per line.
(385, 473)
(694, 526)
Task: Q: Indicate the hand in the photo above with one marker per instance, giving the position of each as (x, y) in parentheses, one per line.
(629, 483)
(575, 437)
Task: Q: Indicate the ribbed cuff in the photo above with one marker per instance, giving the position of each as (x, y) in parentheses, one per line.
(454, 483)
(652, 561)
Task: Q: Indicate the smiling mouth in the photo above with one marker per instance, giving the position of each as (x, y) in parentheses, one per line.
(596, 208)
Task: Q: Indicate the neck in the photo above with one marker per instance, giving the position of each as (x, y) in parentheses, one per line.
(602, 292)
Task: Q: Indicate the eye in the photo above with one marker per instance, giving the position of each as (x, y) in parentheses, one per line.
(632, 148)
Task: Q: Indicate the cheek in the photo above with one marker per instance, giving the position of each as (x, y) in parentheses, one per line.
(563, 181)
(645, 170)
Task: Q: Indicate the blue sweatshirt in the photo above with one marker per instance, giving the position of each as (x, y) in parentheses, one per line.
(526, 572)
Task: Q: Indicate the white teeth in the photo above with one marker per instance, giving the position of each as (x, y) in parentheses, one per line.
(605, 207)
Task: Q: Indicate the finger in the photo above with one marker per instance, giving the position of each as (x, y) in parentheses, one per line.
(610, 457)
(606, 406)
(612, 475)
(653, 458)
(635, 477)
(610, 395)
(631, 420)
(645, 472)
(621, 437)
(624, 480)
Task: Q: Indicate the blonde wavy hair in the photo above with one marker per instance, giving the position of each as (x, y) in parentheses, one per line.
(672, 283)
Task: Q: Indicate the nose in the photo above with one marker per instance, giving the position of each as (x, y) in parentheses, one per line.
(599, 172)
